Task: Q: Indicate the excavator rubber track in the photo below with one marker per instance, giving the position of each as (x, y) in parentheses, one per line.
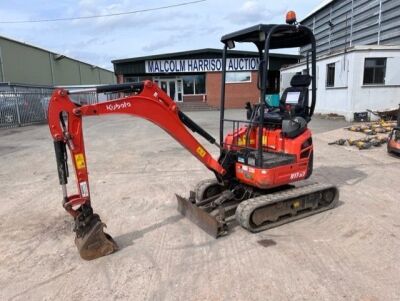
(202, 186)
(275, 209)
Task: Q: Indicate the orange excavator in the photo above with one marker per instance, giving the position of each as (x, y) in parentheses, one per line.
(260, 158)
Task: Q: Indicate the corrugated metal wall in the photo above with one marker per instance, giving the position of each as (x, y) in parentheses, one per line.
(25, 64)
(346, 23)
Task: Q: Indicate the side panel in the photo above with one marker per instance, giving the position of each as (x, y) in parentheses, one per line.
(301, 147)
(270, 178)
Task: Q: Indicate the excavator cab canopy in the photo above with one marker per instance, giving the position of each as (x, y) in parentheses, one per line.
(266, 37)
(282, 36)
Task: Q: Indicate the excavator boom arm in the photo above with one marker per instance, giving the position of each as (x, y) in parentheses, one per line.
(148, 102)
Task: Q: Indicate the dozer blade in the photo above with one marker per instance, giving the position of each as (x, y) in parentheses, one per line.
(201, 218)
(95, 243)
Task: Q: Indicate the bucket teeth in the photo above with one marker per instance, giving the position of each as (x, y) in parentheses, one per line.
(95, 242)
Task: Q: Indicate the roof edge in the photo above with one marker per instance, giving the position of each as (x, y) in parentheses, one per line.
(198, 51)
(356, 48)
(318, 8)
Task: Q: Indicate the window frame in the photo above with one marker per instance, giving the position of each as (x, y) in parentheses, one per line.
(328, 83)
(194, 85)
(238, 82)
(384, 67)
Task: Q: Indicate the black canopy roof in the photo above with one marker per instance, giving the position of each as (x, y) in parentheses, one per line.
(283, 36)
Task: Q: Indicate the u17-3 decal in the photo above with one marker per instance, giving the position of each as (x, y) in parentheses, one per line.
(297, 175)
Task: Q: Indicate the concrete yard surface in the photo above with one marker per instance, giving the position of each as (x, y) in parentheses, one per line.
(348, 253)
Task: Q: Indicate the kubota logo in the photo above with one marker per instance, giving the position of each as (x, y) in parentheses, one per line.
(118, 106)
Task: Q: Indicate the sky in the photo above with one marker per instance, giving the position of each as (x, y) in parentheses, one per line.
(101, 40)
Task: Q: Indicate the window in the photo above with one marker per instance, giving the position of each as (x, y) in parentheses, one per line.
(136, 79)
(200, 84)
(238, 77)
(330, 75)
(188, 85)
(131, 79)
(374, 71)
(194, 84)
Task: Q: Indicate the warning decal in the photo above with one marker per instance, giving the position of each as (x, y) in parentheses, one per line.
(201, 151)
(80, 161)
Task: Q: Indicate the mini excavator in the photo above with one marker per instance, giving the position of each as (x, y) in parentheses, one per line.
(259, 159)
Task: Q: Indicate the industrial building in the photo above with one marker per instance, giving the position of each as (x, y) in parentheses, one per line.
(195, 76)
(28, 75)
(21, 63)
(358, 52)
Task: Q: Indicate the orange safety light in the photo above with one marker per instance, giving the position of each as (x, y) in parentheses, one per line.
(291, 17)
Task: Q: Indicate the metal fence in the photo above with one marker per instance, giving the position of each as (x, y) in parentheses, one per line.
(22, 108)
(22, 105)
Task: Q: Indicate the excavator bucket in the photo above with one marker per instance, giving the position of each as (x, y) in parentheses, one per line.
(95, 243)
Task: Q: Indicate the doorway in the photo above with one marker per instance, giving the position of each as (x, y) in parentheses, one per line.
(169, 87)
(172, 87)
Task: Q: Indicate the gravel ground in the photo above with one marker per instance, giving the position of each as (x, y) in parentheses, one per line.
(349, 253)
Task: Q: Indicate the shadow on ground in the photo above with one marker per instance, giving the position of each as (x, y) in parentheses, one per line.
(127, 239)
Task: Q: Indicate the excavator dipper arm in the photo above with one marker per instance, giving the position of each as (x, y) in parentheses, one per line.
(65, 121)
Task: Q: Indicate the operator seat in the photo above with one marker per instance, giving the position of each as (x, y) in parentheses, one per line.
(292, 115)
(298, 86)
(295, 99)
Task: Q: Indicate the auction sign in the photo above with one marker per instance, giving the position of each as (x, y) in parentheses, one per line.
(201, 65)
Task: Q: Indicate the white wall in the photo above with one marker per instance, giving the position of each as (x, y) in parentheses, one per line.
(393, 73)
(376, 97)
(349, 95)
